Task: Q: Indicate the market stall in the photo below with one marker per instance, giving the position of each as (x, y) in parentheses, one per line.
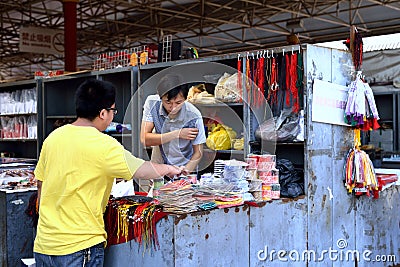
(325, 217)
(246, 228)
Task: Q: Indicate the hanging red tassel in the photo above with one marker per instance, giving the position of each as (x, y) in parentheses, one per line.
(293, 82)
(274, 81)
(248, 79)
(239, 82)
(287, 80)
(259, 93)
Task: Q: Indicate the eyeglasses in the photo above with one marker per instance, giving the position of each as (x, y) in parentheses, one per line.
(113, 109)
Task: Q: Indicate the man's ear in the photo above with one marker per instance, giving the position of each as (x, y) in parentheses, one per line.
(102, 114)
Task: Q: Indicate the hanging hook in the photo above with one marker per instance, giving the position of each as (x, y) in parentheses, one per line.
(292, 51)
(283, 51)
(272, 51)
(247, 55)
(359, 74)
(252, 53)
(264, 54)
(238, 57)
(268, 54)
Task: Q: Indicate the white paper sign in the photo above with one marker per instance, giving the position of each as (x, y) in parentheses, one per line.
(329, 102)
(41, 40)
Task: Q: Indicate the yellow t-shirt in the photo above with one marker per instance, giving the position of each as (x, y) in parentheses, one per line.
(77, 166)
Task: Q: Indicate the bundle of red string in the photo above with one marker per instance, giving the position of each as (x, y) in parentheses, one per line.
(126, 220)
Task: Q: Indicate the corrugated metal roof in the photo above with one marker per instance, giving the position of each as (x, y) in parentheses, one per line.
(375, 43)
(384, 42)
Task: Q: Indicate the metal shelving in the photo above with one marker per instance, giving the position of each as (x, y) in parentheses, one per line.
(21, 147)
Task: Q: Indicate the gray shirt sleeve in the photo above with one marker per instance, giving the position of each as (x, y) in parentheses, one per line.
(148, 105)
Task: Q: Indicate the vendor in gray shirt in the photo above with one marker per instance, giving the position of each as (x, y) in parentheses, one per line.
(173, 126)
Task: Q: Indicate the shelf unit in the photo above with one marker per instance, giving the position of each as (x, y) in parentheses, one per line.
(58, 107)
(206, 71)
(388, 106)
(296, 152)
(21, 147)
(125, 80)
(63, 89)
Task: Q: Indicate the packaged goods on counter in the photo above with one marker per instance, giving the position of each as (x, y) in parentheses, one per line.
(17, 174)
(17, 179)
(230, 186)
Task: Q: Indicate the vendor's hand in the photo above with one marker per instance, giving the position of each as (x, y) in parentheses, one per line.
(174, 171)
(184, 171)
(188, 133)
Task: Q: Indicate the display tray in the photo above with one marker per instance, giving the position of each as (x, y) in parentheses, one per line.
(14, 163)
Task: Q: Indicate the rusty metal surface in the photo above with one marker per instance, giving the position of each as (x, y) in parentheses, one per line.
(220, 238)
(377, 228)
(343, 210)
(343, 234)
(338, 221)
(319, 155)
(276, 226)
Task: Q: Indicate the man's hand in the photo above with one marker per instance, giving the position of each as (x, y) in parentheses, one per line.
(177, 171)
(188, 133)
(184, 171)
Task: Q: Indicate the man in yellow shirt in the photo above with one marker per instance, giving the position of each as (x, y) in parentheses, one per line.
(75, 173)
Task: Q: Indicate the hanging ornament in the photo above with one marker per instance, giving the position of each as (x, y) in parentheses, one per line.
(361, 111)
(240, 77)
(359, 172)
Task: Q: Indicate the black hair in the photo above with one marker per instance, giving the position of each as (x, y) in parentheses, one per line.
(171, 85)
(92, 96)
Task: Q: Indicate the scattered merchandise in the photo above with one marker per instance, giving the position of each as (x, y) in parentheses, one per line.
(199, 95)
(48, 74)
(227, 89)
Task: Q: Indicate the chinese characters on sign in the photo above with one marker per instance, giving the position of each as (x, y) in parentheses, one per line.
(329, 102)
(41, 40)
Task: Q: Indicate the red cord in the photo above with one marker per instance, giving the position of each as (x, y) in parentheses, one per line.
(293, 81)
(239, 82)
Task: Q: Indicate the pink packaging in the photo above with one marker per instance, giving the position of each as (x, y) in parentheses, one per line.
(252, 163)
(263, 165)
(269, 176)
(267, 158)
(270, 179)
(192, 178)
